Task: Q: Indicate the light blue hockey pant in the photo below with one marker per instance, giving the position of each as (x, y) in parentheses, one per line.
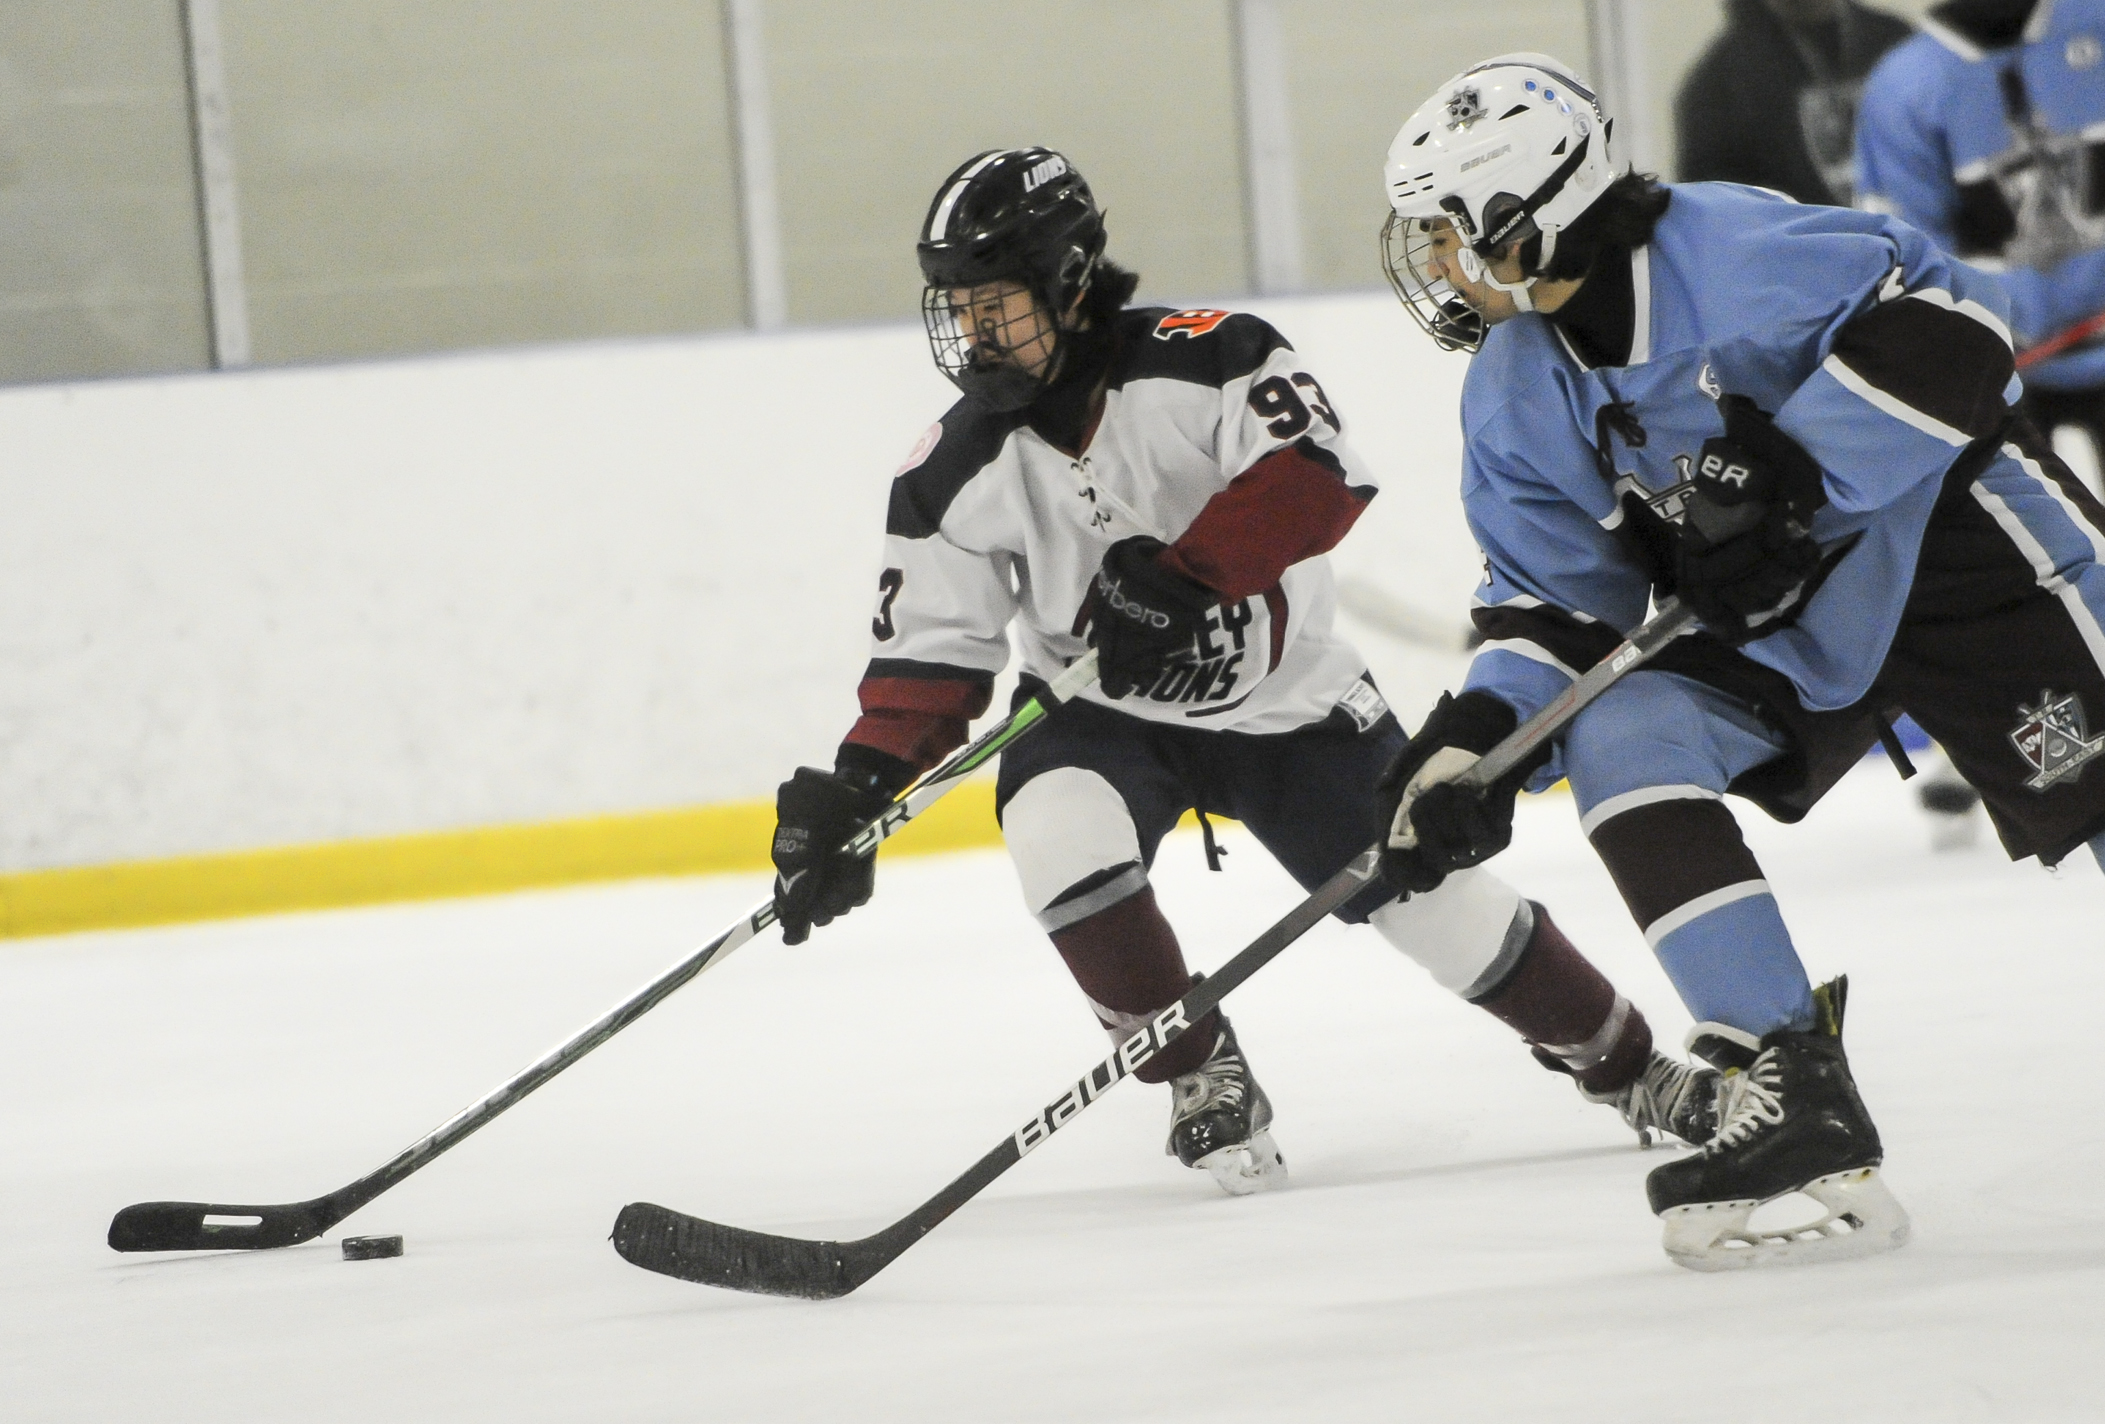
(1649, 763)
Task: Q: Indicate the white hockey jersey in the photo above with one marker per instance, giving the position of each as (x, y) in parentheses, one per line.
(1214, 438)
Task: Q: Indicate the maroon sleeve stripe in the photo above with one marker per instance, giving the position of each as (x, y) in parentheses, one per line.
(918, 712)
(1285, 508)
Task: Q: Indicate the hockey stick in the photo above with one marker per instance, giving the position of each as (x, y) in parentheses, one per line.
(2061, 341)
(203, 1226)
(673, 1244)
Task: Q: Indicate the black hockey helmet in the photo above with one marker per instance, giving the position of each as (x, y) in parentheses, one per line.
(1015, 214)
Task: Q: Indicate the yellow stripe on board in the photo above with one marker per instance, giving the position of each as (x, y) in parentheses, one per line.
(434, 865)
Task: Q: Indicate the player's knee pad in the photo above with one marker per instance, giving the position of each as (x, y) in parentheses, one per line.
(1072, 841)
(1468, 934)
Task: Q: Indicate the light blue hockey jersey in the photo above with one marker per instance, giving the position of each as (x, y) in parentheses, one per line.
(1876, 352)
(1995, 153)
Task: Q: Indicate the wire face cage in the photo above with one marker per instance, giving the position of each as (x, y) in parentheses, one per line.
(1432, 301)
(995, 341)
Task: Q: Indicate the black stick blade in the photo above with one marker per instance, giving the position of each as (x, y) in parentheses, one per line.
(674, 1244)
(189, 1226)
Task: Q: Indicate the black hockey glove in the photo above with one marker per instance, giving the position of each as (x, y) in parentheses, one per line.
(1142, 617)
(1746, 551)
(815, 812)
(1436, 827)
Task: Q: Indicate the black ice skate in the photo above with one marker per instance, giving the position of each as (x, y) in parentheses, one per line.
(1219, 1120)
(1789, 1120)
(1670, 1098)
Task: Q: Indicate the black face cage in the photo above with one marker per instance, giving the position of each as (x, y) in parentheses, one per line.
(983, 350)
(1432, 301)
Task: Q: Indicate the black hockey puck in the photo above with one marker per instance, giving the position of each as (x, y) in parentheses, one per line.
(371, 1248)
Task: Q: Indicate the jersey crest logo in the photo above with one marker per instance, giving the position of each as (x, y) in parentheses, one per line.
(1707, 382)
(923, 448)
(2054, 739)
(1671, 503)
(1188, 323)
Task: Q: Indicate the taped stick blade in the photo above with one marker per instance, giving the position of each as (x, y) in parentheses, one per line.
(674, 1244)
(209, 1226)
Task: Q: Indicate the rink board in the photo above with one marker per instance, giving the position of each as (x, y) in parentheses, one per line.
(259, 610)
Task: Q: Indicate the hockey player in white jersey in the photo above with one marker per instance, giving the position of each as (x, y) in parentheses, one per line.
(1161, 485)
(1802, 421)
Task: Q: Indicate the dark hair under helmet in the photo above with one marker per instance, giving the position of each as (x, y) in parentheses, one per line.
(1021, 214)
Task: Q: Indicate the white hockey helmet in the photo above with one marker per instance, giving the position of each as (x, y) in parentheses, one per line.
(1510, 149)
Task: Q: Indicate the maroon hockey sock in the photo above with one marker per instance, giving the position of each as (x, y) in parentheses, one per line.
(1570, 1013)
(1126, 959)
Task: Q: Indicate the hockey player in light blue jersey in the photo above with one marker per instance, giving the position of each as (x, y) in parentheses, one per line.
(1987, 131)
(1801, 421)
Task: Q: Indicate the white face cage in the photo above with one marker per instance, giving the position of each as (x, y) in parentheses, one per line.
(1432, 301)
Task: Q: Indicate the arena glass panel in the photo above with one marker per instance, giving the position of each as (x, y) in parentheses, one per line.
(101, 271)
(419, 175)
(873, 104)
(1355, 71)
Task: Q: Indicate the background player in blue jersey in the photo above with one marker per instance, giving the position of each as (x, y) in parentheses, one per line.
(1772, 99)
(1800, 420)
(1987, 131)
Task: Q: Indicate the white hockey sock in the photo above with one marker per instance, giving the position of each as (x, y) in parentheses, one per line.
(1467, 934)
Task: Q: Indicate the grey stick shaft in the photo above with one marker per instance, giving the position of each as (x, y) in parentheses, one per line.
(1669, 623)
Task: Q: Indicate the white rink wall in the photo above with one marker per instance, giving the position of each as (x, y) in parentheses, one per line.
(267, 608)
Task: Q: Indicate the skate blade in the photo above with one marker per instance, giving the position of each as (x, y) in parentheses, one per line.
(1247, 1167)
(1862, 1219)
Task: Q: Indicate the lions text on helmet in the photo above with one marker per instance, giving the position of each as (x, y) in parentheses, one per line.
(1482, 178)
(1011, 241)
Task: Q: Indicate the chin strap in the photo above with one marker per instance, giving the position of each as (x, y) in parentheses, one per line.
(1477, 270)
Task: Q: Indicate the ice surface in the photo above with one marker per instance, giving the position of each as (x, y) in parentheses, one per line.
(1464, 1240)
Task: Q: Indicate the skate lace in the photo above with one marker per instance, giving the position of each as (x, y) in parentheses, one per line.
(1751, 1100)
(1650, 1101)
(1218, 1082)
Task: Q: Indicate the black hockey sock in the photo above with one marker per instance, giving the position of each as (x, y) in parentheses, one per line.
(1569, 1012)
(1127, 960)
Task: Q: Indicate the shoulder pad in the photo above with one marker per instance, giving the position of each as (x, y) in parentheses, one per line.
(1201, 345)
(960, 445)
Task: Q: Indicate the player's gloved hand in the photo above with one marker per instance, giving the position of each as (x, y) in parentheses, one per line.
(1746, 549)
(1436, 827)
(1142, 616)
(815, 812)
